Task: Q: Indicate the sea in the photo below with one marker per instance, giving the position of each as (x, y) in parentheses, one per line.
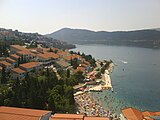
(135, 79)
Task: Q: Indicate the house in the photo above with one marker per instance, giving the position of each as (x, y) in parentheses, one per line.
(31, 66)
(75, 117)
(47, 57)
(13, 113)
(67, 117)
(134, 114)
(16, 48)
(27, 55)
(12, 61)
(7, 65)
(14, 56)
(62, 64)
(62, 54)
(82, 69)
(17, 73)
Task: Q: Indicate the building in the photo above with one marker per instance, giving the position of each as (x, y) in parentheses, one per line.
(6, 65)
(11, 61)
(134, 114)
(14, 56)
(96, 118)
(75, 117)
(17, 73)
(12, 113)
(67, 117)
(62, 64)
(31, 66)
(16, 48)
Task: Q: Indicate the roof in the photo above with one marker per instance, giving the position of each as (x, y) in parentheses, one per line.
(18, 47)
(80, 69)
(12, 113)
(63, 63)
(1, 68)
(25, 52)
(14, 56)
(5, 63)
(67, 117)
(47, 55)
(10, 60)
(73, 56)
(132, 114)
(147, 113)
(62, 53)
(96, 118)
(29, 65)
(18, 70)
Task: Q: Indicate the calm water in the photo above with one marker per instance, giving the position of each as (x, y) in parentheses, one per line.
(136, 79)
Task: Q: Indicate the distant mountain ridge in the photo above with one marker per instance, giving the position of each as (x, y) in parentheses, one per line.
(141, 38)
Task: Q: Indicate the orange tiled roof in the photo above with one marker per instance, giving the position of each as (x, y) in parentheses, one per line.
(11, 60)
(96, 118)
(19, 47)
(12, 113)
(29, 65)
(5, 63)
(47, 55)
(157, 113)
(18, 70)
(26, 52)
(80, 69)
(132, 114)
(6, 116)
(147, 113)
(15, 56)
(62, 53)
(84, 65)
(1, 68)
(67, 117)
(71, 57)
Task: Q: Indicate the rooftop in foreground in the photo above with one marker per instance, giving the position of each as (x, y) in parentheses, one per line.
(12, 113)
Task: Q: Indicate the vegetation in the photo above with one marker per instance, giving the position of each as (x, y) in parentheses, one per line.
(40, 92)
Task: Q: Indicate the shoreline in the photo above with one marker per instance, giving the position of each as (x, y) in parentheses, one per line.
(81, 98)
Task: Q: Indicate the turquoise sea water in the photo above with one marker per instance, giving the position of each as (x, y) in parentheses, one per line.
(136, 78)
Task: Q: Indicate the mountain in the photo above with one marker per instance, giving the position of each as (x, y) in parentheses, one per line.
(158, 29)
(141, 38)
(16, 37)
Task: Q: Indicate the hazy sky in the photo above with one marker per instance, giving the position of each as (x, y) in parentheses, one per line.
(46, 16)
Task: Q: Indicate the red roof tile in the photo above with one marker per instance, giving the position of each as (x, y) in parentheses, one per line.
(20, 48)
(30, 65)
(80, 69)
(132, 114)
(67, 117)
(10, 60)
(18, 70)
(12, 113)
(5, 63)
(1, 68)
(14, 56)
(48, 55)
(96, 118)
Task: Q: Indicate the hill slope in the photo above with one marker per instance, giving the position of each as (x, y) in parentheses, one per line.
(16, 37)
(142, 38)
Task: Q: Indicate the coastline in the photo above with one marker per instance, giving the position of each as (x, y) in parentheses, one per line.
(90, 105)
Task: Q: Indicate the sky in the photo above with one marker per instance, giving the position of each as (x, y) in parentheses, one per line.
(46, 16)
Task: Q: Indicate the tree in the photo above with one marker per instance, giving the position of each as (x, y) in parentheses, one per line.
(68, 73)
(4, 79)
